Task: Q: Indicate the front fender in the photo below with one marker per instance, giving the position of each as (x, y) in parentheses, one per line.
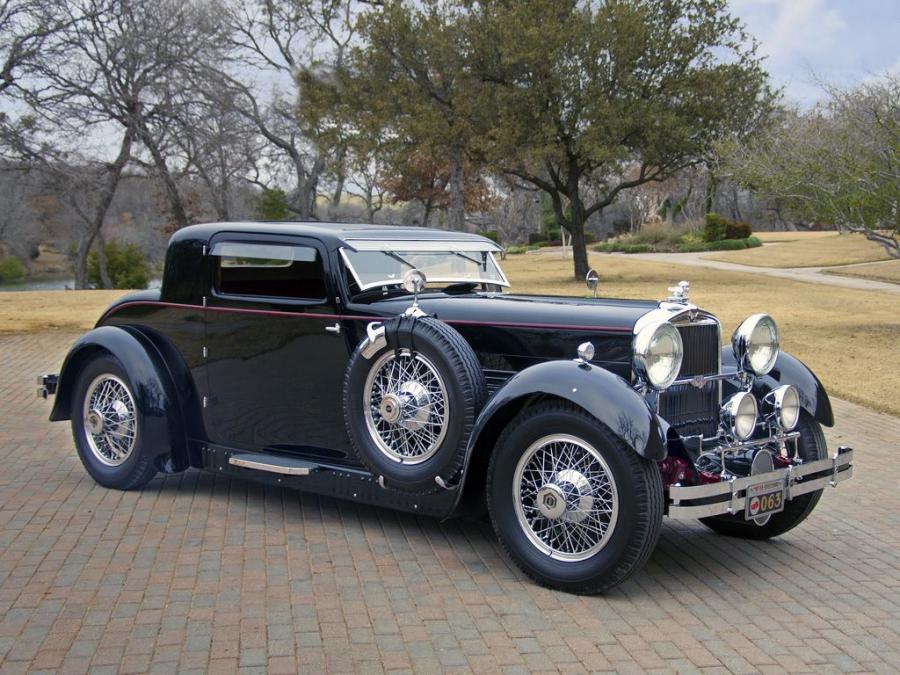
(788, 370)
(604, 395)
(157, 400)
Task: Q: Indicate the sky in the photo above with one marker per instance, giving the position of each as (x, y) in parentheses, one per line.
(841, 41)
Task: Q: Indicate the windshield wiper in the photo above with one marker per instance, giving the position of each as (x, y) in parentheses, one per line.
(480, 263)
(400, 259)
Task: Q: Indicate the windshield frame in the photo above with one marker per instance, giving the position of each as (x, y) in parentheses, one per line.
(449, 250)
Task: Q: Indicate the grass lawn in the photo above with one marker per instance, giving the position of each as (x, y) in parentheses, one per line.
(850, 338)
(883, 271)
(805, 249)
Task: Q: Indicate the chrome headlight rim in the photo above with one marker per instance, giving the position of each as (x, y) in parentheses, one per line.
(645, 340)
(745, 346)
(737, 413)
(783, 406)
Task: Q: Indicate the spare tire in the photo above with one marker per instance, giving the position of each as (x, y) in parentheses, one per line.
(411, 399)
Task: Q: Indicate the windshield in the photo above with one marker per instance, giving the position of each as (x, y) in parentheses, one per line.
(371, 269)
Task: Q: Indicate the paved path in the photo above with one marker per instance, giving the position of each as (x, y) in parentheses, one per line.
(196, 572)
(814, 275)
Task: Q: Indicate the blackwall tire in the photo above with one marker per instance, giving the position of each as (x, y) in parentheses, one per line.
(613, 500)
(812, 446)
(107, 424)
(410, 406)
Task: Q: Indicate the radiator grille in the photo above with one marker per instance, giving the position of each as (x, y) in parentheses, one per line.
(690, 410)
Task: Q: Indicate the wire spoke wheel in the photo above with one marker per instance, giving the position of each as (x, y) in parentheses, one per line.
(565, 497)
(110, 419)
(406, 407)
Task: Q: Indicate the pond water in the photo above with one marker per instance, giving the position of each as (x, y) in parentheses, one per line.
(54, 282)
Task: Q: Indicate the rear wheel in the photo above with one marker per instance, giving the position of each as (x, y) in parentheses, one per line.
(106, 426)
(810, 446)
(574, 507)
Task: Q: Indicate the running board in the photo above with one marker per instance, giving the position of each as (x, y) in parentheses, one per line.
(287, 466)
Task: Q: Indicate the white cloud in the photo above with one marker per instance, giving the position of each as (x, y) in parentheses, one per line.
(792, 30)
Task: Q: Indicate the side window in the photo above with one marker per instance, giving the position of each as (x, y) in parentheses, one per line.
(274, 270)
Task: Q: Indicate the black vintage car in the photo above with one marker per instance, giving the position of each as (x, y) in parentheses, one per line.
(388, 366)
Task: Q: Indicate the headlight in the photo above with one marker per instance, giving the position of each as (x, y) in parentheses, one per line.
(784, 404)
(755, 344)
(657, 354)
(739, 415)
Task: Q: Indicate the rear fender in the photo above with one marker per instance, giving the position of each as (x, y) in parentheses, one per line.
(163, 428)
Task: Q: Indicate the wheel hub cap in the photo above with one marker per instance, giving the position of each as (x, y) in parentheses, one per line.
(94, 422)
(391, 408)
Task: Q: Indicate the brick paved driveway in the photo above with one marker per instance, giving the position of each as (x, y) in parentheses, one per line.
(198, 572)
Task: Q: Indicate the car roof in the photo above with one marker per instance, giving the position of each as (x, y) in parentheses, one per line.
(333, 235)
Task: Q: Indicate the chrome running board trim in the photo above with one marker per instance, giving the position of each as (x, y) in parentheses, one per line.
(287, 466)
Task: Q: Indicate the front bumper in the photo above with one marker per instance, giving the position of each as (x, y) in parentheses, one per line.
(729, 496)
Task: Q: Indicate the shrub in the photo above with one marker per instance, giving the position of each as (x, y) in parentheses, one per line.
(126, 264)
(493, 235)
(554, 234)
(735, 229)
(713, 227)
(623, 247)
(536, 237)
(717, 228)
(273, 205)
(11, 268)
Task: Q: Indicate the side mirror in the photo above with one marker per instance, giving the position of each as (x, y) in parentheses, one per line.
(592, 279)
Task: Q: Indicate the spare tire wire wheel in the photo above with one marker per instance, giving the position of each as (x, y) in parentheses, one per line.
(565, 500)
(406, 406)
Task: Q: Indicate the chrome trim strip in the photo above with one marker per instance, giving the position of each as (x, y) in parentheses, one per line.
(271, 468)
(424, 245)
(839, 466)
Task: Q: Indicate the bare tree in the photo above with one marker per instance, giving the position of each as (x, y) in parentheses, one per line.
(123, 77)
(275, 40)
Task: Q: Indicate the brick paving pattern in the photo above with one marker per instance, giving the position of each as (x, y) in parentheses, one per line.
(203, 573)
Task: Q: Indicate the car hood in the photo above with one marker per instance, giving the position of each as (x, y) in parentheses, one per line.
(510, 332)
(601, 315)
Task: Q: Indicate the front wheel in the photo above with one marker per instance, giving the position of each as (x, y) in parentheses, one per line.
(106, 426)
(574, 508)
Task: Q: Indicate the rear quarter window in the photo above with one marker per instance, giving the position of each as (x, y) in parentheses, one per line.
(270, 270)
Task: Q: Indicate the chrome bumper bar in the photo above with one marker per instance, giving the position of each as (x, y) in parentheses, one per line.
(47, 385)
(729, 496)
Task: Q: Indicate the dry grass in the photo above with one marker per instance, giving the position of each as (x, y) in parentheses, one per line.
(805, 249)
(31, 311)
(884, 271)
(850, 338)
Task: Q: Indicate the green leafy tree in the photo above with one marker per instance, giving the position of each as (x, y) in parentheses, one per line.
(838, 163)
(273, 205)
(125, 263)
(583, 92)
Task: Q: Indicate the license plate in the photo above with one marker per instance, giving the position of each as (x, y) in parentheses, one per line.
(764, 499)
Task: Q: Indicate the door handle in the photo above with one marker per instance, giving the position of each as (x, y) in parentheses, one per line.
(336, 329)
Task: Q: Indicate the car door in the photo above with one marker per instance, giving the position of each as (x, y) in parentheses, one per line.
(276, 352)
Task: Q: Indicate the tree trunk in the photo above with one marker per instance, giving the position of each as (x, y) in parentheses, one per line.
(113, 173)
(711, 186)
(340, 175)
(579, 245)
(81, 256)
(105, 281)
(428, 206)
(179, 212)
(456, 217)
